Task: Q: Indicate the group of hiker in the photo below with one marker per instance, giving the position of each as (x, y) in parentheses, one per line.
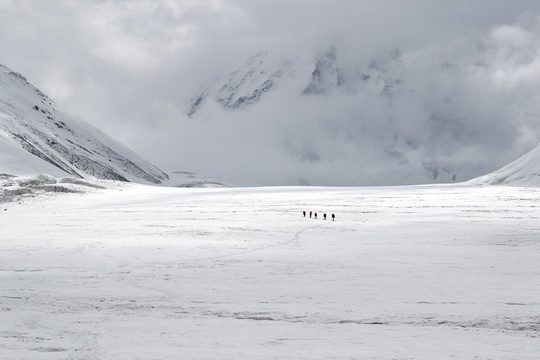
(314, 215)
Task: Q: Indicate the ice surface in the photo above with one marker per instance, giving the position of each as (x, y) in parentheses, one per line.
(138, 272)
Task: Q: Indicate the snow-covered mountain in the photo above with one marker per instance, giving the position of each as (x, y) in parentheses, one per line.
(244, 86)
(253, 80)
(36, 136)
(524, 171)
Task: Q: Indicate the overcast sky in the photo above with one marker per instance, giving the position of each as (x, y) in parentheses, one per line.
(130, 67)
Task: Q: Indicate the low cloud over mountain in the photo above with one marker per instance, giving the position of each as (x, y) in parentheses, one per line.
(277, 92)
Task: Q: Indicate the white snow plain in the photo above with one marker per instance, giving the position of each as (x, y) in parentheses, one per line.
(140, 272)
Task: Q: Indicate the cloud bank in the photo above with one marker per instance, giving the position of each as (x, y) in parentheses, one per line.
(464, 94)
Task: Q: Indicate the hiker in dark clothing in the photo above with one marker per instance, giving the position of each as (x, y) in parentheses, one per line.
(333, 217)
(324, 216)
(304, 214)
(315, 215)
(310, 213)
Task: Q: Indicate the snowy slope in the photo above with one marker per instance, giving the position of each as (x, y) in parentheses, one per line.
(525, 171)
(15, 160)
(245, 86)
(31, 121)
(146, 272)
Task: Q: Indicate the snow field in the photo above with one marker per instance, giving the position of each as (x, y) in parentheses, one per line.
(137, 272)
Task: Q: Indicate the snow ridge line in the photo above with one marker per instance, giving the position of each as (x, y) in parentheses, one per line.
(296, 237)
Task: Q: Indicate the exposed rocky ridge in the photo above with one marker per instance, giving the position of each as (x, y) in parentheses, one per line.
(250, 82)
(32, 120)
(242, 87)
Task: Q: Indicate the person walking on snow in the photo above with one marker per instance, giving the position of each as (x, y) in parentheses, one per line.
(310, 213)
(324, 216)
(333, 217)
(315, 215)
(304, 213)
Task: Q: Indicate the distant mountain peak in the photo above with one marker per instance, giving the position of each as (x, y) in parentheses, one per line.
(261, 74)
(325, 75)
(244, 86)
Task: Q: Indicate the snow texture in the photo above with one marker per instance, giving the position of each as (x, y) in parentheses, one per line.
(140, 272)
(17, 188)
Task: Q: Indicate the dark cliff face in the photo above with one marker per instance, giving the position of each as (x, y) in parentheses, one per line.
(35, 122)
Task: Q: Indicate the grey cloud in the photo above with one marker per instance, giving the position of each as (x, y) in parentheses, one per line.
(461, 73)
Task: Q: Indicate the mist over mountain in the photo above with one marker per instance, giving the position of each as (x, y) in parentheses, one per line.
(396, 117)
(341, 92)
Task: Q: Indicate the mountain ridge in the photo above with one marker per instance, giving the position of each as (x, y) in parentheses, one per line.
(33, 122)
